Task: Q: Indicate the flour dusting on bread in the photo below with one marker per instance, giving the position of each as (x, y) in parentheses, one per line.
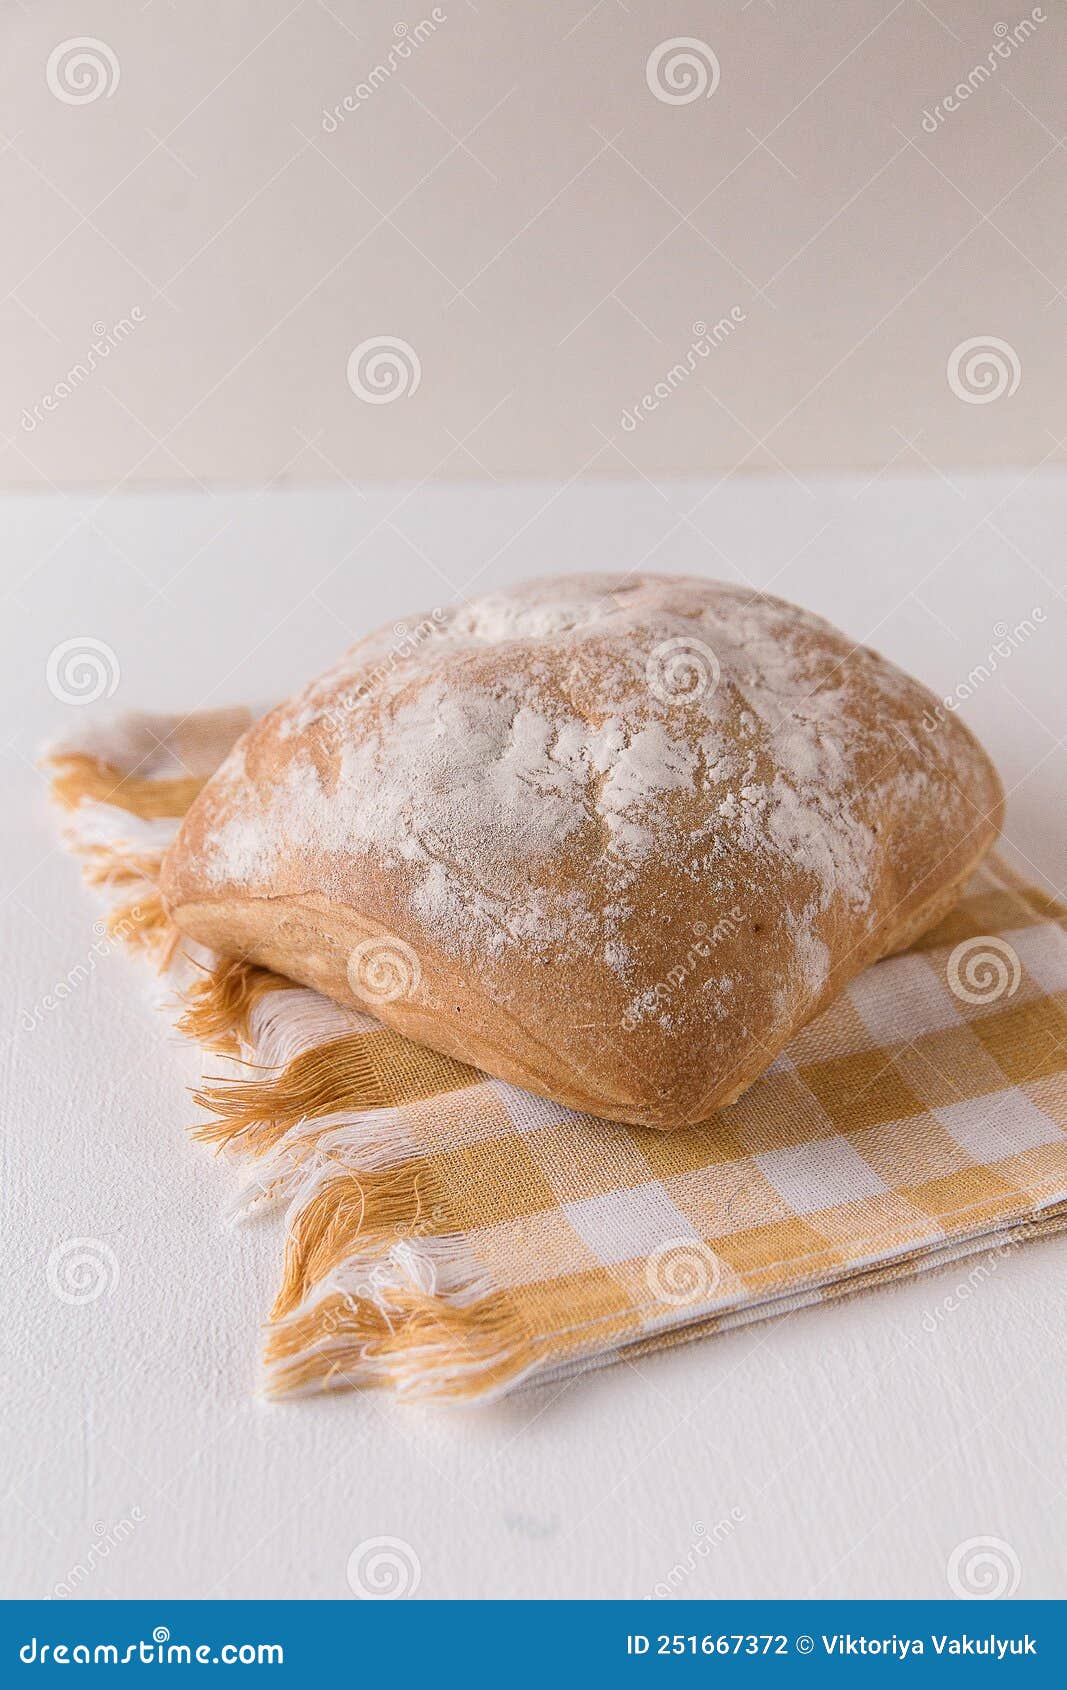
(523, 802)
(476, 772)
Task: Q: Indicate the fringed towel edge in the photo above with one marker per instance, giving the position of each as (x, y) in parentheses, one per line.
(369, 1295)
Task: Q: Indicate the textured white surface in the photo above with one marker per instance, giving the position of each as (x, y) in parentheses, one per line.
(848, 1449)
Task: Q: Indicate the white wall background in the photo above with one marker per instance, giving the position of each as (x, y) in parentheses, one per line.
(514, 202)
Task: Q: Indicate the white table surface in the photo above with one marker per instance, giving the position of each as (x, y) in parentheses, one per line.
(851, 1448)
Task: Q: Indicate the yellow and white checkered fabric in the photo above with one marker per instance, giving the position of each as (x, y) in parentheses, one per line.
(452, 1235)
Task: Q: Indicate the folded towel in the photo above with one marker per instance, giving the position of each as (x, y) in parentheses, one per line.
(453, 1236)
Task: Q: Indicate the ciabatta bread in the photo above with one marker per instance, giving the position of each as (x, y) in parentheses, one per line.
(614, 840)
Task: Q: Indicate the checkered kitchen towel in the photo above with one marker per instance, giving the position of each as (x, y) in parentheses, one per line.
(451, 1236)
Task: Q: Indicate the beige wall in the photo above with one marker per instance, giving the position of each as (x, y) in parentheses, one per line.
(545, 235)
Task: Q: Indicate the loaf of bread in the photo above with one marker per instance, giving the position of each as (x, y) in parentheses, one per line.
(611, 839)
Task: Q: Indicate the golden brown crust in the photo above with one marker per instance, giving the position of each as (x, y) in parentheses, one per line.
(614, 841)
